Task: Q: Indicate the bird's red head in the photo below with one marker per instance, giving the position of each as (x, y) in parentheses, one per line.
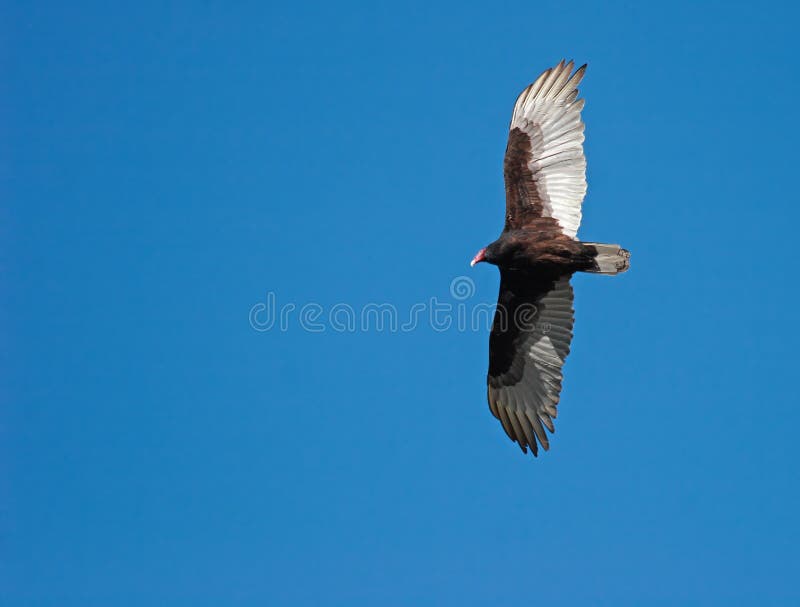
(479, 257)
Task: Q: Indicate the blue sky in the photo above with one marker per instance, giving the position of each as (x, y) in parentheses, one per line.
(164, 169)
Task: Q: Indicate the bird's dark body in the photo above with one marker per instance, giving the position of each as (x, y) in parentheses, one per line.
(542, 248)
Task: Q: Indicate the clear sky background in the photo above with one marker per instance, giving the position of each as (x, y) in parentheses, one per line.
(163, 169)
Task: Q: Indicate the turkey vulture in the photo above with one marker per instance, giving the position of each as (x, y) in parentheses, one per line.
(537, 253)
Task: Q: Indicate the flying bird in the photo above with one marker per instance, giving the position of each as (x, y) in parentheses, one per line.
(537, 253)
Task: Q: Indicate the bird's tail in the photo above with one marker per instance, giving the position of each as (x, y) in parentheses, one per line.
(609, 258)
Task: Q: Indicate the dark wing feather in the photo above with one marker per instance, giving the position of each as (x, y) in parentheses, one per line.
(522, 198)
(529, 342)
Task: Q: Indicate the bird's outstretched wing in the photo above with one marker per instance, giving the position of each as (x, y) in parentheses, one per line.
(529, 342)
(544, 167)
